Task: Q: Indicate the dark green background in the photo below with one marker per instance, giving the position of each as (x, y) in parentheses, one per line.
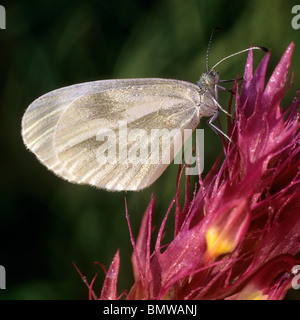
(45, 222)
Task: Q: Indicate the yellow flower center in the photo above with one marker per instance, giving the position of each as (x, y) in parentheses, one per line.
(218, 243)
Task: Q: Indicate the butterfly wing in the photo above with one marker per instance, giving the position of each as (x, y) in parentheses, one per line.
(70, 129)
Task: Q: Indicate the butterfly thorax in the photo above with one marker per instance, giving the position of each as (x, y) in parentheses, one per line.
(208, 93)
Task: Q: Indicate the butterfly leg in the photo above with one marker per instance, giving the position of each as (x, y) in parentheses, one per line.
(219, 106)
(225, 89)
(215, 128)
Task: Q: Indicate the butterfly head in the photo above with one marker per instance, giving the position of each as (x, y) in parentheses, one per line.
(209, 79)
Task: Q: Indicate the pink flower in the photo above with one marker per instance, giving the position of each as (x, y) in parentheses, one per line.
(237, 238)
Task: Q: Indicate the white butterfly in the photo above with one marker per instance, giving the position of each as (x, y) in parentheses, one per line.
(65, 128)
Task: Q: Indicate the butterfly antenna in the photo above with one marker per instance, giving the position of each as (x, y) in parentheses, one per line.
(209, 43)
(234, 54)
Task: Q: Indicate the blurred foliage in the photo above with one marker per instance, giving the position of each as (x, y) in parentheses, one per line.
(47, 223)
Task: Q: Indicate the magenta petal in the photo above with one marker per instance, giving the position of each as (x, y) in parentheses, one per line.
(254, 86)
(271, 282)
(109, 289)
(141, 255)
(248, 74)
(274, 89)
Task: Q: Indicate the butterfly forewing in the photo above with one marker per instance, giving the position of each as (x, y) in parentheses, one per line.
(65, 129)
